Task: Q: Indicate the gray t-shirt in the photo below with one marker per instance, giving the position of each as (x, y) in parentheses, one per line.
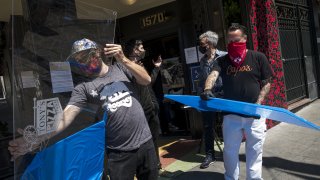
(127, 127)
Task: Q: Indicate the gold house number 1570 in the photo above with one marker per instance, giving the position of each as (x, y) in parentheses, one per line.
(153, 19)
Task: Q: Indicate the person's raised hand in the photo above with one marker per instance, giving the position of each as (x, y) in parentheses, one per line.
(139, 63)
(116, 51)
(158, 62)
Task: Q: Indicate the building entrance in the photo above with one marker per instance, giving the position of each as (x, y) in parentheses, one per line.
(296, 49)
(169, 80)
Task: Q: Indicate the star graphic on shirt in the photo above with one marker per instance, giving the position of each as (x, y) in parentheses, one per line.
(94, 93)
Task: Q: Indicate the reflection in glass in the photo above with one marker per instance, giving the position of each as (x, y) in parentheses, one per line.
(39, 74)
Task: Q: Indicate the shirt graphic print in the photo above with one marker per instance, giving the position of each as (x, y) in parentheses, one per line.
(116, 95)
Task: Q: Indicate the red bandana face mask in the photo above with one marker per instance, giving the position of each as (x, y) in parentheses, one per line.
(237, 52)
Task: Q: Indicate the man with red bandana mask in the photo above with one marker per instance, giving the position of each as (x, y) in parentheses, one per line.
(246, 76)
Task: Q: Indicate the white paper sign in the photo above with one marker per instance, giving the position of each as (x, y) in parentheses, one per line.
(61, 77)
(192, 56)
(49, 113)
(27, 79)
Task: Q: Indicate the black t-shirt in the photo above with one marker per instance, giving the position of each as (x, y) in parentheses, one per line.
(244, 83)
(127, 127)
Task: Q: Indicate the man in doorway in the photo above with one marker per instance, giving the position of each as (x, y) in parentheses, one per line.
(130, 150)
(208, 47)
(135, 51)
(246, 77)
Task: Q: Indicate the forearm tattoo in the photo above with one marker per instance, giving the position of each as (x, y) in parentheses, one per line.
(211, 79)
(263, 92)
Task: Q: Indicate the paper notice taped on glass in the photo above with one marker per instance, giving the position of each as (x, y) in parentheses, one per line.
(192, 56)
(61, 77)
(27, 79)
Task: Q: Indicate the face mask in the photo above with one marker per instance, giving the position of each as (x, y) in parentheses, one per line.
(89, 65)
(142, 54)
(203, 50)
(237, 52)
(139, 56)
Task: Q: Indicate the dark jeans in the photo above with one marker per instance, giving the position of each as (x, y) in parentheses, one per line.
(154, 126)
(142, 162)
(165, 117)
(208, 119)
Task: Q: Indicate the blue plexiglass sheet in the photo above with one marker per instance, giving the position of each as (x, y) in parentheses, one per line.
(269, 112)
(79, 156)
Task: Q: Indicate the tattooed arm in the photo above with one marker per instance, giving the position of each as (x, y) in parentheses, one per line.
(211, 79)
(136, 70)
(19, 146)
(264, 91)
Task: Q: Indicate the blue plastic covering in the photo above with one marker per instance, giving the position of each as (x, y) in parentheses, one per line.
(269, 112)
(79, 156)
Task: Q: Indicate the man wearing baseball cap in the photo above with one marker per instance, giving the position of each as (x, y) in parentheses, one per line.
(130, 150)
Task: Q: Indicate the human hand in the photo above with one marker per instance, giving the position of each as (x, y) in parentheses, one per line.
(139, 63)
(20, 146)
(256, 116)
(116, 51)
(206, 95)
(165, 100)
(158, 62)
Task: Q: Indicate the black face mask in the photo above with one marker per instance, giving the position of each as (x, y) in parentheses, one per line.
(203, 50)
(139, 56)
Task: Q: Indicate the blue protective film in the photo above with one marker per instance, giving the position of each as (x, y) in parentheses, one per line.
(269, 112)
(79, 156)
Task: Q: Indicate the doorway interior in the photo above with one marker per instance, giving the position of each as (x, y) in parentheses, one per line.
(171, 80)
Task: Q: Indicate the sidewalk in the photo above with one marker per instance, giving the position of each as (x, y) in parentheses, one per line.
(290, 152)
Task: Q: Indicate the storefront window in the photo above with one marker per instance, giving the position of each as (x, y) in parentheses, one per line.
(42, 81)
